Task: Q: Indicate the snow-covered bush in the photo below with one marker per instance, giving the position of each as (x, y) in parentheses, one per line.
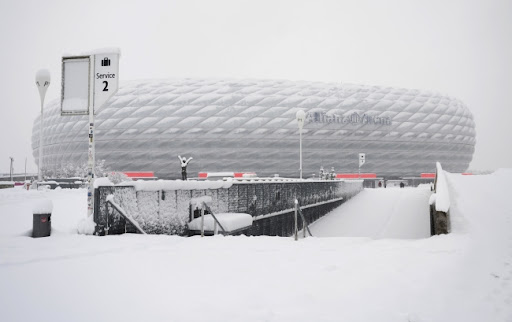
(118, 177)
(72, 170)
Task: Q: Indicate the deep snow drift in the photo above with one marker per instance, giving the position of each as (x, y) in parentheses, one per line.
(463, 276)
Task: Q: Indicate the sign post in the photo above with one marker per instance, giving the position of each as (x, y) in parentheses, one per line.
(362, 160)
(87, 84)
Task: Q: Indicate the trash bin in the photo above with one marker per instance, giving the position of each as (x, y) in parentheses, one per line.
(42, 218)
(42, 226)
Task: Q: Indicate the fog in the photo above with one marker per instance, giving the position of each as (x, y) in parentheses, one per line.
(459, 48)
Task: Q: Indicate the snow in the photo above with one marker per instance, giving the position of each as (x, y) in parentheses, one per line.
(102, 182)
(144, 185)
(432, 199)
(198, 201)
(43, 73)
(379, 213)
(462, 276)
(229, 221)
(104, 50)
(86, 226)
(442, 194)
(42, 206)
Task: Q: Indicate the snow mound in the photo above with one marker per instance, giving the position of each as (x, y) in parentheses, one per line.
(42, 206)
(86, 226)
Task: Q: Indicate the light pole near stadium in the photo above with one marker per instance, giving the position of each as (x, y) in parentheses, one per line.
(300, 116)
(42, 82)
(11, 168)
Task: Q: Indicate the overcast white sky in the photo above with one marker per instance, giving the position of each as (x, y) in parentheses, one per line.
(460, 48)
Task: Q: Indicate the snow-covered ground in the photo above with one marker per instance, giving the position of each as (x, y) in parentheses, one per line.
(463, 276)
(379, 213)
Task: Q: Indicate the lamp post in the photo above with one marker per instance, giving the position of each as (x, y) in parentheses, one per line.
(10, 168)
(42, 82)
(300, 116)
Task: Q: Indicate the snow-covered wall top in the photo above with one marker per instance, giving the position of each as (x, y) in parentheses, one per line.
(442, 199)
(250, 125)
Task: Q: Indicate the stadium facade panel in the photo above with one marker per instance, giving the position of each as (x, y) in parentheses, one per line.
(249, 125)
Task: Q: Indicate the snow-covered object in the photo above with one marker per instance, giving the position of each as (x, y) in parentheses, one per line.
(86, 226)
(102, 182)
(442, 194)
(149, 185)
(104, 50)
(198, 201)
(230, 222)
(249, 125)
(110, 198)
(42, 206)
(432, 199)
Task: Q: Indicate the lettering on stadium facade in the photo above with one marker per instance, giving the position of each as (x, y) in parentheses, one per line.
(354, 118)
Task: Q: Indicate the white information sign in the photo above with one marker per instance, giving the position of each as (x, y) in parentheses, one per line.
(362, 159)
(106, 78)
(87, 83)
(75, 85)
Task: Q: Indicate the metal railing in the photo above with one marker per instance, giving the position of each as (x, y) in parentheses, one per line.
(122, 212)
(304, 223)
(204, 206)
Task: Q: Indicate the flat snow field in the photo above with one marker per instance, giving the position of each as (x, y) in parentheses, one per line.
(462, 276)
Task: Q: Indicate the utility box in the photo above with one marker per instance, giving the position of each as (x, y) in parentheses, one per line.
(42, 218)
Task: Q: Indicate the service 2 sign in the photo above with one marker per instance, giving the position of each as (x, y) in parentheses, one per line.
(106, 78)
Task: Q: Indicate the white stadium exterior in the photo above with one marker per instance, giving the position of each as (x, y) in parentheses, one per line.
(250, 126)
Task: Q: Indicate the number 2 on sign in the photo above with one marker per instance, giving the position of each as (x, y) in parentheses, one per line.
(105, 89)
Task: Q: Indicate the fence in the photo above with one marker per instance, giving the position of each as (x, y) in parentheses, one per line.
(161, 208)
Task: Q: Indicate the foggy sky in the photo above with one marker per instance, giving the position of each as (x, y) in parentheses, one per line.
(459, 48)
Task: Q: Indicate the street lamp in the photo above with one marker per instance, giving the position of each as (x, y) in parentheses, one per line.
(11, 168)
(42, 82)
(300, 116)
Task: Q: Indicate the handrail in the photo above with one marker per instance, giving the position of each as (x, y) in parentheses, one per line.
(202, 205)
(214, 217)
(123, 213)
(305, 225)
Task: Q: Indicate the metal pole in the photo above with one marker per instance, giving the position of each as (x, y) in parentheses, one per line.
(202, 222)
(295, 217)
(25, 169)
(40, 161)
(91, 152)
(10, 167)
(300, 149)
(303, 225)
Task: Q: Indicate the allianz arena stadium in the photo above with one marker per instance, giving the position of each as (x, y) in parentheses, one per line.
(250, 126)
